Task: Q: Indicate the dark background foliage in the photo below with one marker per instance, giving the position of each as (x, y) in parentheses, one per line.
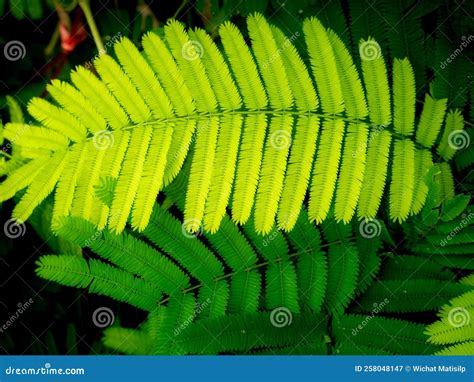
(59, 320)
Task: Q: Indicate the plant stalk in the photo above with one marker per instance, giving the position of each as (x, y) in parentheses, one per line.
(85, 5)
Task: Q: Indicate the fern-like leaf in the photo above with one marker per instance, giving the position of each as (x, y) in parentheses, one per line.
(325, 169)
(99, 278)
(250, 124)
(432, 117)
(376, 82)
(404, 97)
(403, 178)
(323, 64)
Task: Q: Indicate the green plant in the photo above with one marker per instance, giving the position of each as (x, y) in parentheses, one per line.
(34, 9)
(258, 132)
(236, 291)
(151, 105)
(455, 325)
(23, 8)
